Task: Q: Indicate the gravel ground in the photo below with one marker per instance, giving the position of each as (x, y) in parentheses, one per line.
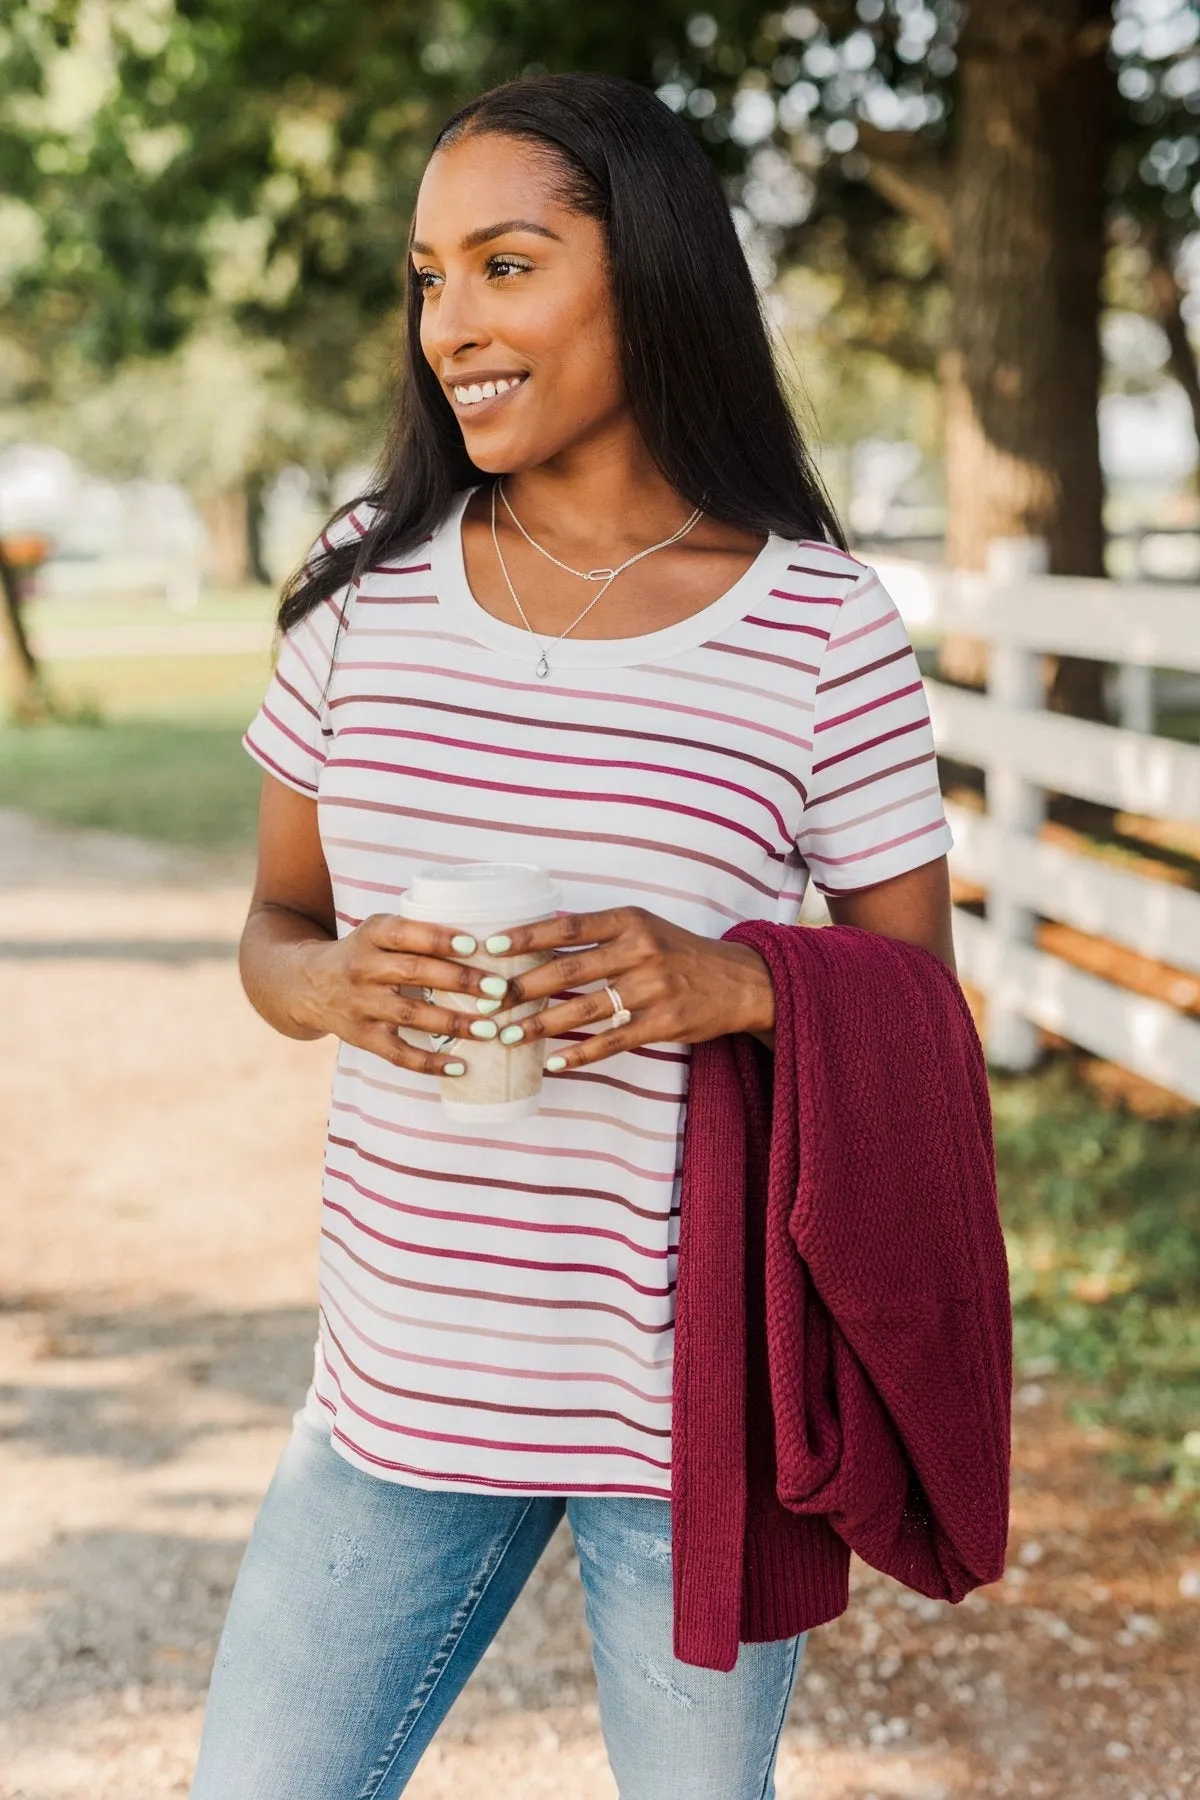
(159, 1162)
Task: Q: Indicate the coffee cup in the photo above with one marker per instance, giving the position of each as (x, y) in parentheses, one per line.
(484, 899)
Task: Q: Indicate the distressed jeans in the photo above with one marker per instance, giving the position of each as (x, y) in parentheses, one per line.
(362, 1606)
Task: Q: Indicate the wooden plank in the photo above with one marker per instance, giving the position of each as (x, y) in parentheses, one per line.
(1114, 621)
(1069, 756)
(1152, 917)
(1142, 1035)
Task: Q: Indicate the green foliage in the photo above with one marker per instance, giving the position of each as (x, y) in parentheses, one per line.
(1102, 1219)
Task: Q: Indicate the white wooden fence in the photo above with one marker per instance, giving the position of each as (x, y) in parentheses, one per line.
(1024, 614)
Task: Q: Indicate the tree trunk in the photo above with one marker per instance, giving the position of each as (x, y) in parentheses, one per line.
(26, 691)
(1168, 305)
(1022, 377)
(256, 488)
(225, 514)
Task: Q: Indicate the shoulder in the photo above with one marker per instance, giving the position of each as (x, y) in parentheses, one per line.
(350, 526)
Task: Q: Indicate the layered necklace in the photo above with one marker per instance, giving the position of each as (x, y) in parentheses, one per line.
(605, 577)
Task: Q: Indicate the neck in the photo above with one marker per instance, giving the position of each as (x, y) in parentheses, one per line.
(606, 495)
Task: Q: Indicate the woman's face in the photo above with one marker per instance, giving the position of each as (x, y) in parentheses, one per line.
(516, 312)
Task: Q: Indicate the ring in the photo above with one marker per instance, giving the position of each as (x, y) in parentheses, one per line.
(621, 1013)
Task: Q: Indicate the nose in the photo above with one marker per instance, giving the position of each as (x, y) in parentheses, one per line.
(450, 324)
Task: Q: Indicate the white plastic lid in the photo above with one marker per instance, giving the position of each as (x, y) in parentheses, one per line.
(495, 894)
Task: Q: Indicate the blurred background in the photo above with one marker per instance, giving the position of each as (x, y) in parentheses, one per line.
(976, 229)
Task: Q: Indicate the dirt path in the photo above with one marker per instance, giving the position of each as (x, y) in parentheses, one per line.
(159, 1165)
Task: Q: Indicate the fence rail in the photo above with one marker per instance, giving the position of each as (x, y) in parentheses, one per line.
(1022, 614)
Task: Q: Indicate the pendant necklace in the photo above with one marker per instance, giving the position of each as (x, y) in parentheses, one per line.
(605, 577)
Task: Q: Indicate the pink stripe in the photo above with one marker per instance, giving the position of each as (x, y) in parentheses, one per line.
(828, 831)
(507, 1337)
(878, 849)
(856, 712)
(488, 1220)
(479, 1443)
(491, 1261)
(465, 1138)
(541, 793)
(504, 1370)
(524, 687)
(402, 569)
(312, 750)
(297, 696)
(429, 1097)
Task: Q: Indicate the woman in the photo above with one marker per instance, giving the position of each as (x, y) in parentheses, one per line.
(589, 388)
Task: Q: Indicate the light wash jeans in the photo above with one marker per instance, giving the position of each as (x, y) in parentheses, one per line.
(362, 1607)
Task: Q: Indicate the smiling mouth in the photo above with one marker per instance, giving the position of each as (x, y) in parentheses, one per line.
(470, 394)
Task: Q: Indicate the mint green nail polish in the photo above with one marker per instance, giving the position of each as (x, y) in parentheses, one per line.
(463, 944)
(482, 1028)
(488, 1006)
(455, 1068)
(496, 946)
(512, 1034)
(555, 1063)
(494, 984)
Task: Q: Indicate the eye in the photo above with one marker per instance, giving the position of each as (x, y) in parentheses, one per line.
(502, 267)
(425, 279)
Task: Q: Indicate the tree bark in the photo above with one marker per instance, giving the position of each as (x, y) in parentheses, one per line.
(1021, 378)
(225, 513)
(1167, 296)
(26, 690)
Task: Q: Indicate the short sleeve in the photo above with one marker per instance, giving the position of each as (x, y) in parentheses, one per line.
(288, 734)
(874, 807)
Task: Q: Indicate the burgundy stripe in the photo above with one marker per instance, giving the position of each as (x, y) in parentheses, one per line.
(297, 696)
(780, 625)
(573, 795)
(856, 712)
(921, 724)
(305, 749)
(488, 1482)
(879, 849)
(852, 787)
(810, 599)
(767, 656)
(881, 662)
(401, 568)
(557, 725)
(457, 1293)
(490, 1220)
(505, 1371)
(495, 1181)
(827, 574)
(550, 831)
(501, 1144)
(284, 774)
(489, 1406)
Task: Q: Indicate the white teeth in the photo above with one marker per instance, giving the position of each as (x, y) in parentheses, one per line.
(488, 390)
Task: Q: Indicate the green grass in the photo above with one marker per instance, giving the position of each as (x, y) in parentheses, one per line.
(1102, 1217)
(215, 605)
(187, 783)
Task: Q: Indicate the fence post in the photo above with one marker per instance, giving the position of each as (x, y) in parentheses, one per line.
(1015, 806)
(1135, 697)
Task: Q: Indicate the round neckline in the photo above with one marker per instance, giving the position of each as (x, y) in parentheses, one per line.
(449, 570)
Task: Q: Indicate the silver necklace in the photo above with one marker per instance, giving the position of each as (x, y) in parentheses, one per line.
(605, 576)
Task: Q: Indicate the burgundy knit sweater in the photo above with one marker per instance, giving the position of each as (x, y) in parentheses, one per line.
(843, 1350)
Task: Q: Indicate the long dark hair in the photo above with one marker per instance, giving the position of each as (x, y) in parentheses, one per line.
(696, 359)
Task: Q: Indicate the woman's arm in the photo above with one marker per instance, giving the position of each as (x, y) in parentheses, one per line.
(913, 908)
(306, 981)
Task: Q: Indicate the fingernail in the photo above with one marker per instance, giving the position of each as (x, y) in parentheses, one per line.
(488, 1006)
(464, 944)
(512, 1034)
(454, 1068)
(496, 946)
(482, 1028)
(555, 1063)
(494, 984)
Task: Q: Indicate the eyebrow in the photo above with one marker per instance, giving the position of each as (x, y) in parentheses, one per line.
(485, 233)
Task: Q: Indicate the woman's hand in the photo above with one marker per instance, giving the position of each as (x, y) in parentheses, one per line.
(351, 986)
(678, 988)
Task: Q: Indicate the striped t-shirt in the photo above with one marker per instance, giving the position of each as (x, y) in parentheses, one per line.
(496, 1302)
